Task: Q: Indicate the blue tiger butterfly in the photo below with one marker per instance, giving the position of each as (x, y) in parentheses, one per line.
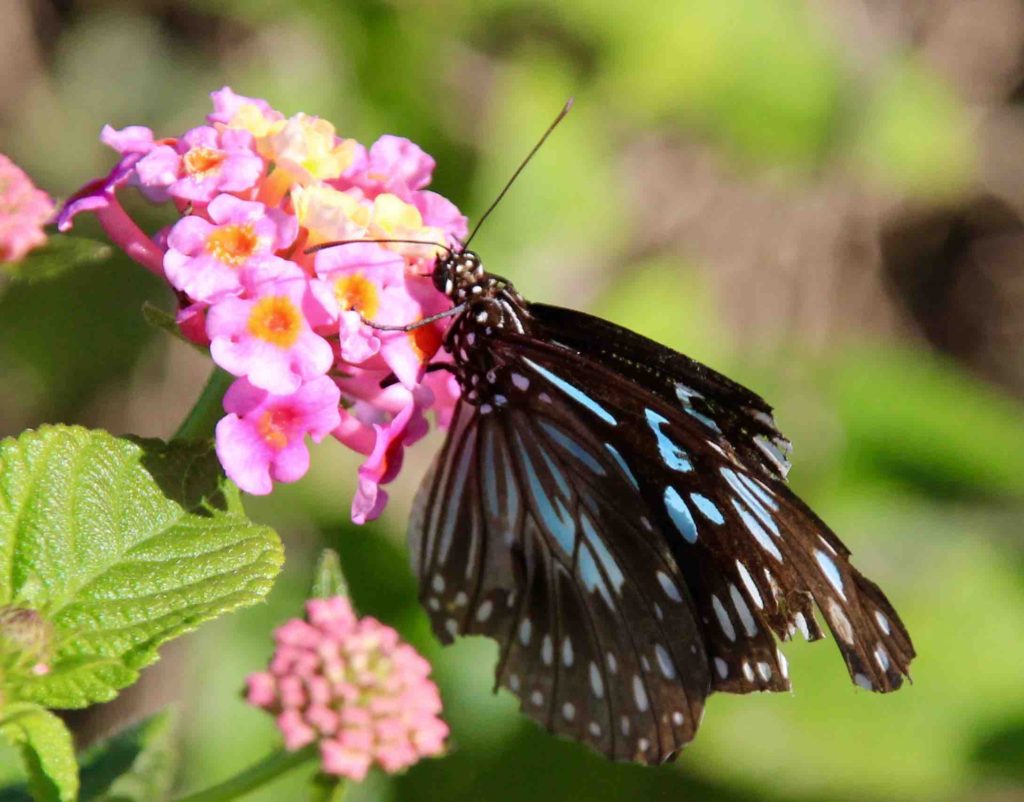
(616, 516)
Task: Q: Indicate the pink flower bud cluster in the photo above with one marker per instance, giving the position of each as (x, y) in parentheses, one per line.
(24, 210)
(352, 686)
(253, 191)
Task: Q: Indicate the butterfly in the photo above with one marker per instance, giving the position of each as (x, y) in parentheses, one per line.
(616, 516)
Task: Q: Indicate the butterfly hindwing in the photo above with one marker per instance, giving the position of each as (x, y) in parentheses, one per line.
(754, 556)
(521, 534)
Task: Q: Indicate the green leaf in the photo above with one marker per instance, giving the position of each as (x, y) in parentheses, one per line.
(47, 750)
(328, 580)
(136, 765)
(60, 253)
(121, 545)
(168, 323)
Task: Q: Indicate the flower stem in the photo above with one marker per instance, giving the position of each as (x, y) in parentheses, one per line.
(268, 769)
(202, 419)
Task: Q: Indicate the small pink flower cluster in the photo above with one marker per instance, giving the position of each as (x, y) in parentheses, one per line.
(352, 685)
(24, 210)
(255, 190)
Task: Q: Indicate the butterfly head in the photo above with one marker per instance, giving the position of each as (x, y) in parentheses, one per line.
(457, 272)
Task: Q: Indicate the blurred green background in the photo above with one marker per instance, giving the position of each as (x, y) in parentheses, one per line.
(821, 199)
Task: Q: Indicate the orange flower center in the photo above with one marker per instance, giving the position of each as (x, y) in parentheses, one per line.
(276, 320)
(425, 341)
(201, 161)
(272, 426)
(233, 244)
(355, 291)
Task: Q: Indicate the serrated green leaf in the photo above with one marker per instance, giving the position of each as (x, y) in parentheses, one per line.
(60, 254)
(122, 544)
(135, 765)
(47, 750)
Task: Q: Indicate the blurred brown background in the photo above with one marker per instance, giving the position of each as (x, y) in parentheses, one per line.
(822, 199)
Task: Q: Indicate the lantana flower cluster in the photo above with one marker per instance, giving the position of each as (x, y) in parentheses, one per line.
(352, 686)
(252, 191)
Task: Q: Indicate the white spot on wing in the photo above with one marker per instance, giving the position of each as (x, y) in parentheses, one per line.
(748, 583)
(567, 655)
(525, 629)
(723, 618)
(669, 587)
(883, 622)
(765, 671)
(749, 624)
(483, 612)
(596, 681)
(568, 711)
(721, 667)
(546, 650)
(839, 621)
(664, 661)
(862, 681)
(639, 693)
(831, 571)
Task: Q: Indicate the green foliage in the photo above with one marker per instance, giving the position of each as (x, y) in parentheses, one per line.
(60, 253)
(914, 136)
(135, 765)
(121, 545)
(46, 749)
(927, 425)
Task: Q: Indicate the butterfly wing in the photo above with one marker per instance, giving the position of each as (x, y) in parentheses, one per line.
(520, 533)
(756, 558)
(737, 415)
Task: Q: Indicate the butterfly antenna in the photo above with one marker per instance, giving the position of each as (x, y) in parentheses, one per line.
(515, 175)
(324, 245)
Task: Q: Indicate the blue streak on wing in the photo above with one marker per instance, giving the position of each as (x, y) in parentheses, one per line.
(708, 508)
(591, 575)
(611, 567)
(501, 493)
(672, 455)
(758, 509)
(559, 523)
(622, 464)
(680, 515)
(703, 419)
(759, 491)
(757, 530)
(573, 448)
(574, 393)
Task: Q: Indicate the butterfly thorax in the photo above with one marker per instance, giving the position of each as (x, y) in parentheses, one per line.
(489, 302)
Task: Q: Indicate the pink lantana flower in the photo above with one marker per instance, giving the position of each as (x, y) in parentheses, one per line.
(385, 461)
(238, 111)
(268, 336)
(212, 260)
(262, 440)
(24, 210)
(366, 281)
(352, 686)
(130, 139)
(393, 164)
(203, 163)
